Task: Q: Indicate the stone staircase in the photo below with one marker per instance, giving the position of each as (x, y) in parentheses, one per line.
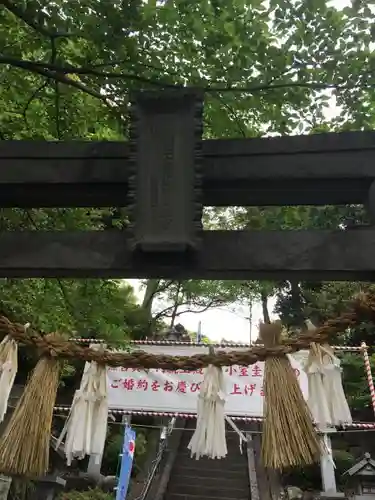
(206, 479)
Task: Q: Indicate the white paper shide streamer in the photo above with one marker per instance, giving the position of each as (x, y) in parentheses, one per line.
(209, 436)
(317, 400)
(327, 401)
(8, 371)
(332, 382)
(86, 426)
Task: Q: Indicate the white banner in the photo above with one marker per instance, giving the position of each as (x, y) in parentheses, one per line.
(177, 391)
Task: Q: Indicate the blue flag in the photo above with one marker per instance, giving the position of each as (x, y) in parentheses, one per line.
(126, 463)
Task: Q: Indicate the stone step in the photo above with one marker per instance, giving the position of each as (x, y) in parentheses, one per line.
(194, 470)
(230, 435)
(233, 453)
(232, 438)
(191, 424)
(239, 481)
(183, 496)
(209, 479)
(207, 464)
(210, 489)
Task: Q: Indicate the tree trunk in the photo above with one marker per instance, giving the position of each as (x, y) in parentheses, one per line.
(176, 304)
(297, 304)
(251, 319)
(148, 299)
(151, 289)
(264, 299)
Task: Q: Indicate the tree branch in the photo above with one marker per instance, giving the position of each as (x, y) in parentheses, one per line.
(59, 73)
(69, 69)
(164, 287)
(232, 113)
(165, 312)
(53, 75)
(195, 311)
(162, 313)
(118, 62)
(30, 100)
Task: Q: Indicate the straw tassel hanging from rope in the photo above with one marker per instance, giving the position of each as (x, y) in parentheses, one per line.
(86, 427)
(8, 371)
(209, 436)
(24, 446)
(289, 437)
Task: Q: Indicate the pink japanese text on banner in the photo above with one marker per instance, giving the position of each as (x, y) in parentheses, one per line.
(177, 391)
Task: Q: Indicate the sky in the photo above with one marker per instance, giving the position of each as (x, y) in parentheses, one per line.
(227, 323)
(232, 323)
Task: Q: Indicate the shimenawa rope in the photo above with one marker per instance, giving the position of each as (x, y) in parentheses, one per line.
(58, 346)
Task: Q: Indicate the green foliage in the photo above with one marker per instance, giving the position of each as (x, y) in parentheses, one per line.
(91, 494)
(343, 460)
(327, 300)
(87, 307)
(122, 46)
(295, 301)
(356, 386)
(309, 478)
(111, 453)
(113, 447)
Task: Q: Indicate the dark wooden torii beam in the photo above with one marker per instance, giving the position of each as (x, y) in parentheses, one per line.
(321, 169)
(165, 175)
(270, 255)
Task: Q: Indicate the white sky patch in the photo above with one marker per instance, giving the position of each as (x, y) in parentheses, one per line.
(230, 323)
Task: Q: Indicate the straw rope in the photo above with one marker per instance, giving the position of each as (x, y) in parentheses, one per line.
(362, 308)
(24, 447)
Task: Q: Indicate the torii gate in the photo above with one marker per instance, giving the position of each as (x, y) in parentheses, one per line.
(165, 175)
